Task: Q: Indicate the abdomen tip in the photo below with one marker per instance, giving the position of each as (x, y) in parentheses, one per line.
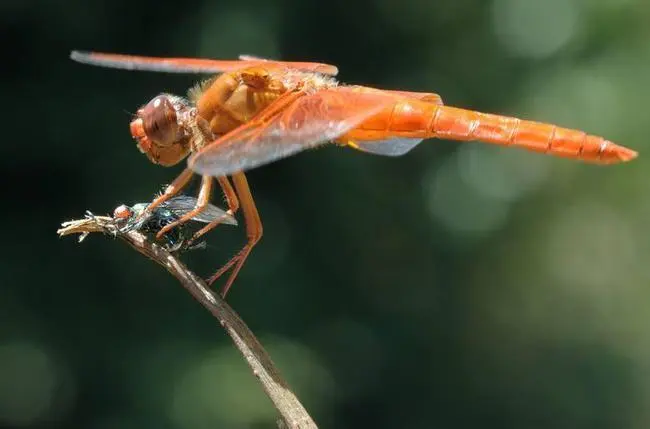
(616, 153)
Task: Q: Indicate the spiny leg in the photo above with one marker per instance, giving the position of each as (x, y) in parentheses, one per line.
(233, 206)
(201, 204)
(174, 188)
(253, 232)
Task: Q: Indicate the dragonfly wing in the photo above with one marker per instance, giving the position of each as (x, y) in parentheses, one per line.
(245, 57)
(389, 147)
(188, 65)
(183, 204)
(397, 146)
(156, 64)
(328, 69)
(310, 121)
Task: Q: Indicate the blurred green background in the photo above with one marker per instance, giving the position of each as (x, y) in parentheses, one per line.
(460, 286)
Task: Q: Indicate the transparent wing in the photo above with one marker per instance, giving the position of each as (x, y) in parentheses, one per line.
(245, 57)
(182, 204)
(213, 213)
(319, 68)
(397, 146)
(188, 65)
(309, 121)
(388, 147)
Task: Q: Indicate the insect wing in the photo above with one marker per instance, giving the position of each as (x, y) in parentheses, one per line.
(183, 204)
(310, 121)
(189, 65)
(328, 69)
(388, 147)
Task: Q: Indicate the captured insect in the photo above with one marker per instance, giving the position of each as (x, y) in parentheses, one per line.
(128, 218)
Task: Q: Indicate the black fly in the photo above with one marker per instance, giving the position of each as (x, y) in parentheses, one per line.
(169, 211)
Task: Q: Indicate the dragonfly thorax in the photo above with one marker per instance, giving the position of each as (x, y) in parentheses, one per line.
(233, 99)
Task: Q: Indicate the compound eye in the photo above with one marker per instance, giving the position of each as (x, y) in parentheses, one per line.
(160, 121)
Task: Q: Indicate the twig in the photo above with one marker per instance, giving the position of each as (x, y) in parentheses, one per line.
(285, 401)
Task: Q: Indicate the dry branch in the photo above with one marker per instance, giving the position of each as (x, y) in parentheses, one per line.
(285, 401)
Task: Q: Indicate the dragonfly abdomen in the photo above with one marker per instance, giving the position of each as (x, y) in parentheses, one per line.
(460, 124)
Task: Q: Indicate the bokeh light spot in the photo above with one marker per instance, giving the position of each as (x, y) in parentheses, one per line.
(218, 388)
(578, 98)
(466, 210)
(535, 29)
(30, 383)
(502, 174)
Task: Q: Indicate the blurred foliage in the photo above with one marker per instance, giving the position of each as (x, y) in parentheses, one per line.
(460, 286)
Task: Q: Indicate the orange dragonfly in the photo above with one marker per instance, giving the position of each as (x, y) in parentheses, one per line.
(255, 111)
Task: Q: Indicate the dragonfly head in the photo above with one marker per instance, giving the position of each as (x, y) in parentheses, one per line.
(160, 129)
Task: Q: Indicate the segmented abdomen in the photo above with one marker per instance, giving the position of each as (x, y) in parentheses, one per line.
(459, 124)
(416, 119)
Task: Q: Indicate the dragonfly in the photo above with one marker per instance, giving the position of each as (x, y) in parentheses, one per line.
(128, 218)
(253, 111)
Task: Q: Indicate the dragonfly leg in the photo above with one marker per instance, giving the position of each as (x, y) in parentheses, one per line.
(174, 188)
(201, 204)
(233, 206)
(253, 232)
